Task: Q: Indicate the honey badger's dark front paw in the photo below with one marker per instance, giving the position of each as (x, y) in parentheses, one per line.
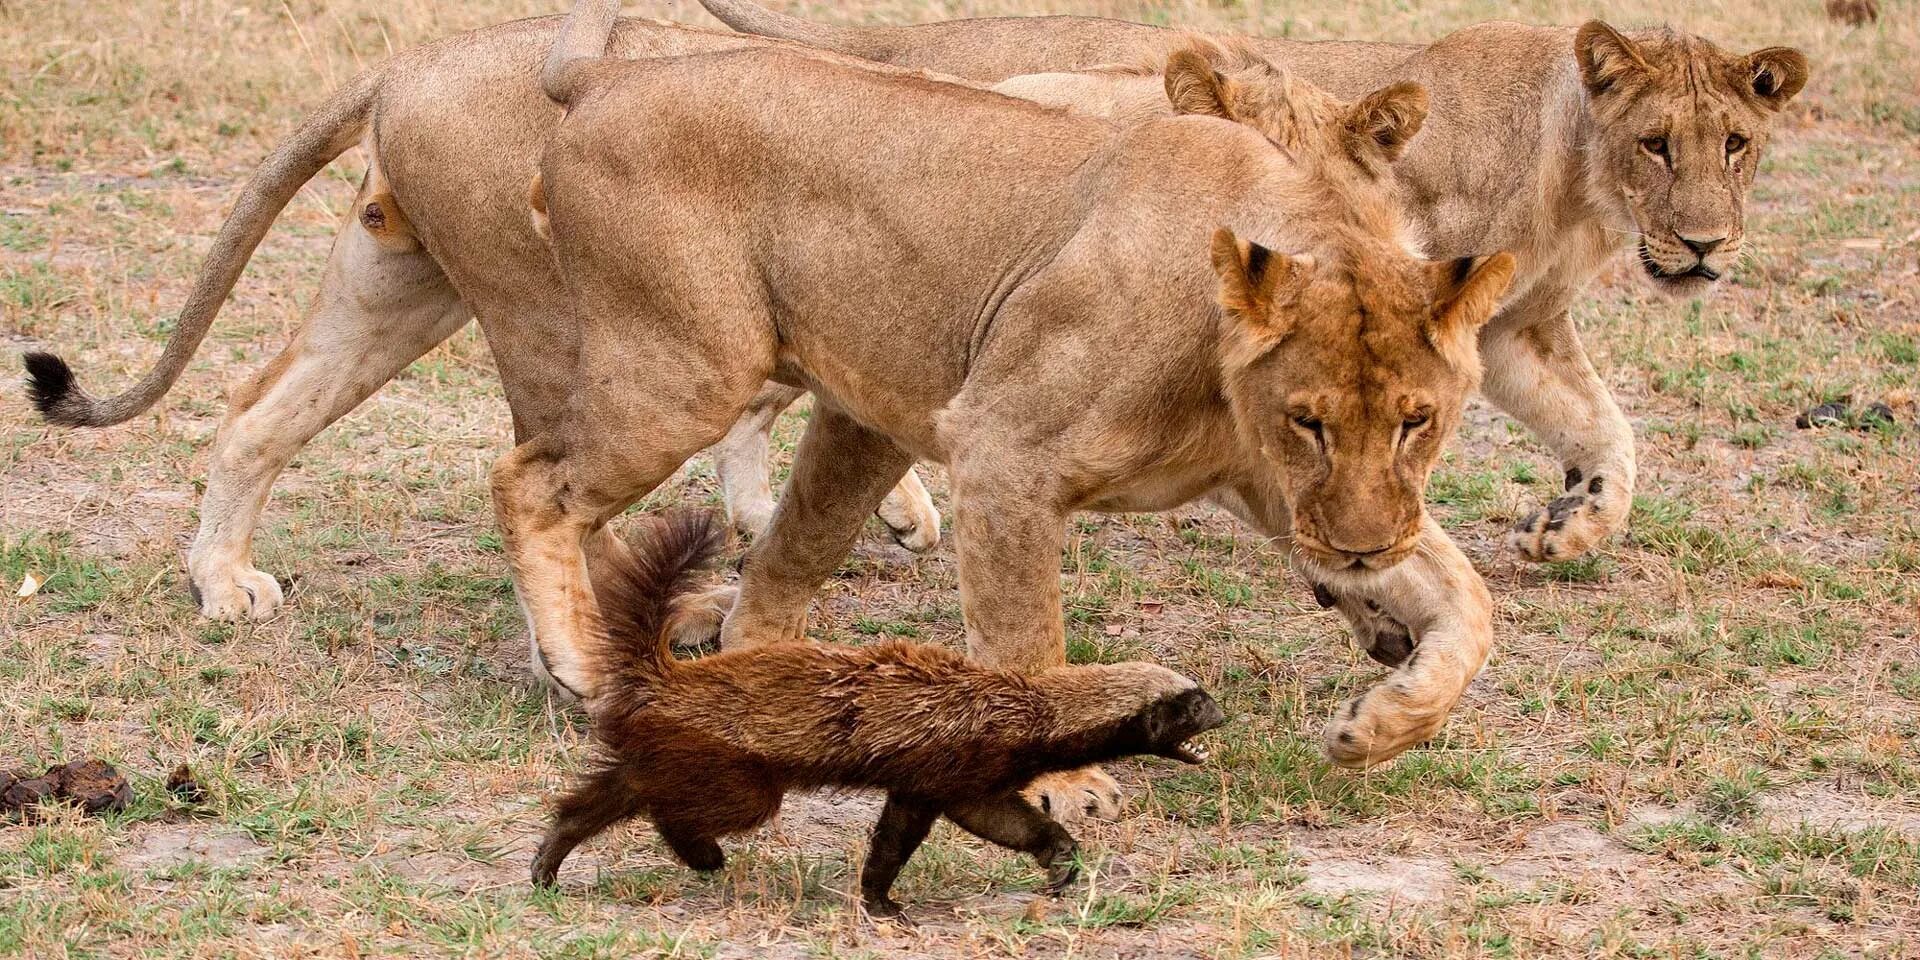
(885, 908)
(1062, 863)
(1386, 640)
(1592, 509)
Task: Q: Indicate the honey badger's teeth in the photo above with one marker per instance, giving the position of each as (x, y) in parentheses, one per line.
(1188, 753)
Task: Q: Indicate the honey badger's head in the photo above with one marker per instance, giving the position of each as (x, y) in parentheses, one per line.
(1131, 709)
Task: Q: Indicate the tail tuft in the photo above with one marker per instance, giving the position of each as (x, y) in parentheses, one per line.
(639, 594)
(50, 387)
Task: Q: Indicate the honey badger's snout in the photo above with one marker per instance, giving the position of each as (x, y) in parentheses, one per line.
(1165, 726)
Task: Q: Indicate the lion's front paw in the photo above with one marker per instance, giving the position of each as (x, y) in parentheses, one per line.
(1385, 639)
(1572, 524)
(1076, 795)
(234, 591)
(1368, 730)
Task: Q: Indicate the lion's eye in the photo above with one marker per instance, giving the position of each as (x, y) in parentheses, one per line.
(1415, 422)
(1735, 144)
(1308, 424)
(1656, 146)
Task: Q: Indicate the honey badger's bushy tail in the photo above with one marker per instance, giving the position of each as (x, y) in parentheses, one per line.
(639, 595)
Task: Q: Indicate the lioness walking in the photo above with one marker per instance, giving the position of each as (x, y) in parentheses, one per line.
(1564, 146)
(1067, 313)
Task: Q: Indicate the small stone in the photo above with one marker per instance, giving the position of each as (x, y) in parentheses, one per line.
(1875, 415)
(1832, 414)
(182, 784)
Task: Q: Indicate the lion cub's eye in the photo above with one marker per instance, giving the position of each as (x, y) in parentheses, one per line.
(1308, 424)
(1415, 422)
(1735, 144)
(1656, 146)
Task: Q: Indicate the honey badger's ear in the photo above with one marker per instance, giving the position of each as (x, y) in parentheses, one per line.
(1606, 57)
(1384, 121)
(1777, 74)
(1194, 86)
(1465, 295)
(1254, 279)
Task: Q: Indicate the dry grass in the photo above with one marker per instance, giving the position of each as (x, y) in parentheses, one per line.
(1699, 742)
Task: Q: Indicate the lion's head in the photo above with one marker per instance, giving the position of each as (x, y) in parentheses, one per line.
(1349, 376)
(1680, 125)
(1346, 362)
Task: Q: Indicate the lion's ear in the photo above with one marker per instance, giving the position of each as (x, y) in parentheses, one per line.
(1466, 293)
(1194, 86)
(1778, 73)
(1254, 279)
(1383, 122)
(1606, 56)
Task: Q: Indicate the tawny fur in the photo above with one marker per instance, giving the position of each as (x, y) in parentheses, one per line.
(1529, 147)
(706, 748)
(1511, 157)
(1080, 237)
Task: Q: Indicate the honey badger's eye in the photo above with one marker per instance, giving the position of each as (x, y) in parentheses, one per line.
(1735, 143)
(1657, 146)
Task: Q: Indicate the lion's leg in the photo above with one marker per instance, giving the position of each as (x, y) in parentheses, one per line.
(378, 310)
(741, 460)
(646, 402)
(1441, 599)
(840, 473)
(1009, 530)
(1540, 374)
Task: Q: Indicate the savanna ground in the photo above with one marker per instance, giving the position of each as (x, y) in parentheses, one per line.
(1700, 741)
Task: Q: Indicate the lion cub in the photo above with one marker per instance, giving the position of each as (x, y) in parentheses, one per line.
(706, 748)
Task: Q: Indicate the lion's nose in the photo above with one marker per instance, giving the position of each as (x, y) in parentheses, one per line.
(1701, 248)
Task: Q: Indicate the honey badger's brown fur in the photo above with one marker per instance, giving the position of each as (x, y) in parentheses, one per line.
(706, 748)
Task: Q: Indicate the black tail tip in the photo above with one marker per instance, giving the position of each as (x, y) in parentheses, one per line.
(49, 381)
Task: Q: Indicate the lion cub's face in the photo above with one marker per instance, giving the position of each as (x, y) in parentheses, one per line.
(1681, 125)
(1348, 378)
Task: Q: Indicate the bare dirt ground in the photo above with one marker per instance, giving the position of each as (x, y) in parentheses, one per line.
(1700, 742)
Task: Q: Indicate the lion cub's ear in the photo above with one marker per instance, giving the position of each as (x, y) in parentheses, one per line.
(1381, 124)
(1254, 280)
(1777, 74)
(1465, 295)
(1606, 57)
(1194, 86)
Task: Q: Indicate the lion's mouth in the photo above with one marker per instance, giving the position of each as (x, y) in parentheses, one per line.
(1332, 558)
(1699, 270)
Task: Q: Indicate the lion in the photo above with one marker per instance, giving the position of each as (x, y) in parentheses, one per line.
(943, 282)
(1566, 146)
(425, 248)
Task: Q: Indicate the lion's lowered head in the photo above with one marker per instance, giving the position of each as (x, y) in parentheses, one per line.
(1680, 125)
(1348, 375)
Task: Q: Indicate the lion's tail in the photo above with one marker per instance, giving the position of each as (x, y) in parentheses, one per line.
(326, 134)
(583, 40)
(748, 17)
(642, 594)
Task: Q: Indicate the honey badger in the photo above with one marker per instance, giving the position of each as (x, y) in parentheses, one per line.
(706, 748)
